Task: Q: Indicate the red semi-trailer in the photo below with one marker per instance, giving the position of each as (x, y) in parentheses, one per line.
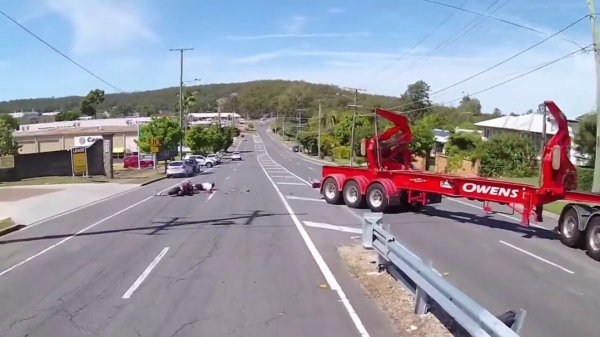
(391, 181)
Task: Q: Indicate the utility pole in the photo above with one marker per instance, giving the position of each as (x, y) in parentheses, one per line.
(181, 51)
(299, 120)
(319, 134)
(354, 106)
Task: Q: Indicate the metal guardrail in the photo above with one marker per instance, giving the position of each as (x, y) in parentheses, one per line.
(427, 284)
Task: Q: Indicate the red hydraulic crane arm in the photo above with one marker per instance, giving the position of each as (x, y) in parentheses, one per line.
(390, 147)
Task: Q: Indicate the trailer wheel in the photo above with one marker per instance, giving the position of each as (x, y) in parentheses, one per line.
(568, 229)
(331, 192)
(352, 196)
(592, 240)
(376, 198)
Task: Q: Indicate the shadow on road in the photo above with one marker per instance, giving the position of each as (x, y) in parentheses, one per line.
(158, 227)
(488, 221)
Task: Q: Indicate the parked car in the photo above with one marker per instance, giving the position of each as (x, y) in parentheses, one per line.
(214, 157)
(202, 160)
(132, 161)
(236, 156)
(296, 148)
(178, 169)
(193, 164)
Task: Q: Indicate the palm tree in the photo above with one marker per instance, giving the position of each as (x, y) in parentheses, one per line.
(329, 120)
(189, 101)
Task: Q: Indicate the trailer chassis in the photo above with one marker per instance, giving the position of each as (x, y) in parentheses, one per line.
(390, 181)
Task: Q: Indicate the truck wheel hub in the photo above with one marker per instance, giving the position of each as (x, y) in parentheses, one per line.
(376, 198)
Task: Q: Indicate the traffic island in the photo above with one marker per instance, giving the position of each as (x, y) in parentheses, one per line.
(396, 302)
(8, 226)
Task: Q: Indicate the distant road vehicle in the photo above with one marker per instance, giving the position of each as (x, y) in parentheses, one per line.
(133, 162)
(236, 156)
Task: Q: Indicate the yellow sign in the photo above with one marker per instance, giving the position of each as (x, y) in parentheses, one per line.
(7, 162)
(154, 149)
(79, 160)
(154, 142)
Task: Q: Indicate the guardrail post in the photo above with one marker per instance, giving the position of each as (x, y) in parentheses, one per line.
(369, 220)
(421, 298)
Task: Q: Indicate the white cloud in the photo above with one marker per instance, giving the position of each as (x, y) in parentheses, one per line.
(296, 25)
(570, 82)
(336, 10)
(103, 25)
(284, 36)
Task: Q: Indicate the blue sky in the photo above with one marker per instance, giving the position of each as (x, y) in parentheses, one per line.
(347, 43)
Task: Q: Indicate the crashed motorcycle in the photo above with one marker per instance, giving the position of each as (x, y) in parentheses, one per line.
(188, 188)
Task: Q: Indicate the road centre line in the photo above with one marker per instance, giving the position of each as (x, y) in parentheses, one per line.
(145, 274)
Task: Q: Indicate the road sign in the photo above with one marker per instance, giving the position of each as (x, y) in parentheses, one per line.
(79, 160)
(154, 149)
(154, 142)
(7, 162)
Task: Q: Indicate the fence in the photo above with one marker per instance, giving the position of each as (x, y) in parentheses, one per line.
(426, 284)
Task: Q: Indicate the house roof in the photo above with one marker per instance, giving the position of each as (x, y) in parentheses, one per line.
(525, 123)
(76, 131)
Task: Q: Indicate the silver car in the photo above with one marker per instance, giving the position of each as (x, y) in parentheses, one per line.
(179, 169)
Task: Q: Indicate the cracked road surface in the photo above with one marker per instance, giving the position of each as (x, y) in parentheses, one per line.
(236, 266)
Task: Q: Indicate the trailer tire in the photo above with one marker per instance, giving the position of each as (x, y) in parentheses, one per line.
(352, 196)
(568, 229)
(331, 193)
(376, 198)
(592, 238)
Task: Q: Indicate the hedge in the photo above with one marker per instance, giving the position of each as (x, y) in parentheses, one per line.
(341, 152)
(585, 178)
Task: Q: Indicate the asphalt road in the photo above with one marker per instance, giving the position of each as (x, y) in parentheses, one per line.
(233, 263)
(501, 265)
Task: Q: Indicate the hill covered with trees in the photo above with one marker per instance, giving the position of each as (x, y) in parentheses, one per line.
(253, 99)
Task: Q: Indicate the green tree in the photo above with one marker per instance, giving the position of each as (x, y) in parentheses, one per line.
(165, 130)
(417, 102)
(199, 139)
(7, 143)
(67, 116)
(8, 119)
(471, 105)
(584, 140)
(508, 155)
(90, 102)
(423, 140)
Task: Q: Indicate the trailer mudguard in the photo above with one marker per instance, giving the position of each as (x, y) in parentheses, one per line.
(340, 179)
(363, 183)
(390, 188)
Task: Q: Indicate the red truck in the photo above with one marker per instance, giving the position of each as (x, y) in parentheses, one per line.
(391, 181)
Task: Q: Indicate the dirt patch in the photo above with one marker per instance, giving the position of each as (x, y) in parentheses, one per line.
(397, 303)
(9, 194)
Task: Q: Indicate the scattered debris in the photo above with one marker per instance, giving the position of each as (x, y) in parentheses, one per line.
(395, 301)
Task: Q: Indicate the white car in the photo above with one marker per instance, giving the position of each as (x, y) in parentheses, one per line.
(236, 156)
(179, 168)
(203, 161)
(214, 158)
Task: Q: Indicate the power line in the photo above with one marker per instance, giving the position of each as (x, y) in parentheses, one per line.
(59, 52)
(537, 68)
(497, 19)
(428, 35)
(502, 62)
(462, 32)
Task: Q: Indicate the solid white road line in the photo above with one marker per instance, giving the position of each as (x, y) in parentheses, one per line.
(333, 227)
(145, 274)
(291, 197)
(537, 257)
(325, 270)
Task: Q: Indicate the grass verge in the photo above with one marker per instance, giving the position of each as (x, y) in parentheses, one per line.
(393, 299)
(6, 223)
(122, 176)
